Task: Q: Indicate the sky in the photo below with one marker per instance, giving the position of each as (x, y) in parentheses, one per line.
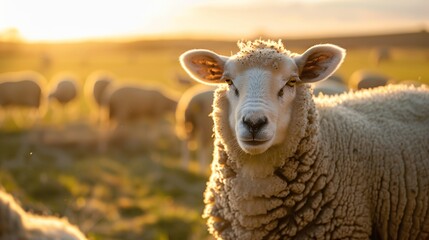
(64, 20)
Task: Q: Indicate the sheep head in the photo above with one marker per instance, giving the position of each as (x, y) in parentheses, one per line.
(262, 81)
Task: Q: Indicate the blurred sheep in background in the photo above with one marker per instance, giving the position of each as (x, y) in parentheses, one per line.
(128, 103)
(332, 86)
(15, 223)
(22, 90)
(364, 79)
(381, 54)
(64, 91)
(95, 87)
(194, 126)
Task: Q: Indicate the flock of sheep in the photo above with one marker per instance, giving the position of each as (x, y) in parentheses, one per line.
(115, 103)
(27, 89)
(123, 102)
(285, 165)
(118, 103)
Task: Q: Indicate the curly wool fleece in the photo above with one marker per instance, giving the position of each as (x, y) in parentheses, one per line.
(353, 166)
(16, 224)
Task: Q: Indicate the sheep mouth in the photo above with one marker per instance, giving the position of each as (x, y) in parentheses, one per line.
(255, 142)
(254, 146)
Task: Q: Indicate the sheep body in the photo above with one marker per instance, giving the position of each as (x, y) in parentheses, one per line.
(65, 90)
(126, 103)
(96, 85)
(364, 79)
(24, 89)
(15, 223)
(193, 124)
(331, 86)
(351, 166)
(310, 193)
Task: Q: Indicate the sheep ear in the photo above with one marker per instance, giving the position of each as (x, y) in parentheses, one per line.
(204, 66)
(319, 62)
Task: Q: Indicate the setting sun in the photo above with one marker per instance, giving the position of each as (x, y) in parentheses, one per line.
(62, 20)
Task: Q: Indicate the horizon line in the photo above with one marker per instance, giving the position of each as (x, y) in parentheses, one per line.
(212, 37)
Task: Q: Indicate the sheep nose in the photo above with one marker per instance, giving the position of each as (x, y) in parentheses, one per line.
(254, 125)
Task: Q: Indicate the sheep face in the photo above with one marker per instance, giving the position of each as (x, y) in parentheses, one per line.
(260, 101)
(262, 81)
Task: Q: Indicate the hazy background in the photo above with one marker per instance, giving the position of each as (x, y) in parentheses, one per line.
(135, 188)
(50, 20)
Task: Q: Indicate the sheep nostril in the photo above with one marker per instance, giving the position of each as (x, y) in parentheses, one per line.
(255, 125)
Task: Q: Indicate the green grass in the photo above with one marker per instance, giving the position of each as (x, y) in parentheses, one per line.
(124, 193)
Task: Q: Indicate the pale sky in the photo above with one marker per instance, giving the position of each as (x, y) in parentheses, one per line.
(51, 20)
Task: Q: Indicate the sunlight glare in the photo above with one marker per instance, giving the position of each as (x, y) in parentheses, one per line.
(50, 20)
(62, 20)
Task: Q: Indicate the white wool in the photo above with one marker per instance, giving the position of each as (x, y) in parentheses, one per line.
(351, 166)
(15, 223)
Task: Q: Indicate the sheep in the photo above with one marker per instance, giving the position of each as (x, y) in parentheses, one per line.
(193, 123)
(331, 86)
(15, 223)
(288, 165)
(23, 89)
(65, 92)
(364, 79)
(381, 54)
(65, 89)
(127, 103)
(95, 87)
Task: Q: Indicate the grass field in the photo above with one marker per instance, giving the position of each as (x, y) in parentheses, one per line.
(135, 189)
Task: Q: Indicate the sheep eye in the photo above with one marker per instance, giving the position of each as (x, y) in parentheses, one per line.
(291, 82)
(236, 92)
(231, 85)
(281, 92)
(228, 81)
